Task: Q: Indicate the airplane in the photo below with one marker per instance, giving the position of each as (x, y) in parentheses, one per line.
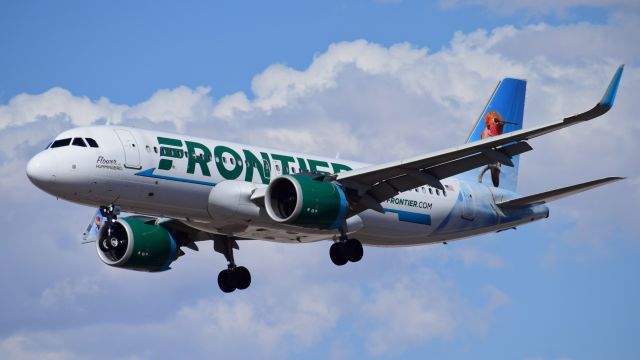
(181, 190)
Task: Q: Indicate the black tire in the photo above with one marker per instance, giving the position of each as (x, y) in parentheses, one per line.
(225, 281)
(354, 250)
(338, 253)
(241, 277)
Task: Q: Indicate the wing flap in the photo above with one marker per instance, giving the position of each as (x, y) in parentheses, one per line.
(431, 176)
(556, 194)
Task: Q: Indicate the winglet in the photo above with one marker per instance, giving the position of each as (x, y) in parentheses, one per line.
(610, 95)
(605, 104)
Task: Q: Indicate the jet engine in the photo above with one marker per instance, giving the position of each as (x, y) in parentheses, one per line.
(306, 202)
(136, 245)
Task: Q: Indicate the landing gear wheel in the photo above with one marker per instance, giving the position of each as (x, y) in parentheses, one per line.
(225, 281)
(234, 277)
(338, 253)
(354, 250)
(241, 277)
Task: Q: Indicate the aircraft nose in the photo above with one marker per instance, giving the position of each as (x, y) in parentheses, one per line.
(41, 170)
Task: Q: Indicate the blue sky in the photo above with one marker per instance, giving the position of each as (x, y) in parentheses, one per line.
(374, 81)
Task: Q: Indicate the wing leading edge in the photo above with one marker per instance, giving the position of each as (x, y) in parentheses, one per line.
(374, 184)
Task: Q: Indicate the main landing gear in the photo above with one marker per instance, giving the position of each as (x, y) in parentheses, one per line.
(345, 250)
(234, 277)
(110, 242)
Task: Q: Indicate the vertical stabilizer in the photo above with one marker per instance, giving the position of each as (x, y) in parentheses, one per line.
(502, 114)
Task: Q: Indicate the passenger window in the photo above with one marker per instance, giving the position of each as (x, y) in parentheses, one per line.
(224, 159)
(438, 192)
(148, 148)
(277, 167)
(231, 160)
(92, 142)
(61, 143)
(416, 189)
(424, 191)
(444, 193)
(209, 157)
(155, 149)
(430, 191)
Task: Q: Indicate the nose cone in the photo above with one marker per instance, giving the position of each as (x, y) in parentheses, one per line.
(41, 170)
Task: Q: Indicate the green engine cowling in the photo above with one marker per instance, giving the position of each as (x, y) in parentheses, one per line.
(303, 201)
(137, 245)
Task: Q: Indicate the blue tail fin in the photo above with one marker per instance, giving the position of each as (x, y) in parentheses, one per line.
(502, 114)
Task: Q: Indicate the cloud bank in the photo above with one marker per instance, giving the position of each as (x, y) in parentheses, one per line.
(366, 101)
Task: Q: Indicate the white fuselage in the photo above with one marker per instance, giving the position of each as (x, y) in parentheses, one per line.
(169, 175)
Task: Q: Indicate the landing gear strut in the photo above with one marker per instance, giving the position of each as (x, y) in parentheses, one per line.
(110, 242)
(233, 277)
(345, 249)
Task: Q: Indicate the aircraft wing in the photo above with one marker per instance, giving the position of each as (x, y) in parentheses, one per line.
(374, 184)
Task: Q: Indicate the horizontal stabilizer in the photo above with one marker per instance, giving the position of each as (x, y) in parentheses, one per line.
(556, 194)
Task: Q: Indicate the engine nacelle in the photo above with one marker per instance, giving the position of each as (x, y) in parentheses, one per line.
(302, 201)
(136, 245)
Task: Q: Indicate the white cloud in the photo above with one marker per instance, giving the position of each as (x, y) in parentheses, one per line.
(411, 312)
(179, 105)
(543, 6)
(68, 291)
(360, 99)
(423, 307)
(471, 257)
(18, 347)
(266, 322)
(58, 103)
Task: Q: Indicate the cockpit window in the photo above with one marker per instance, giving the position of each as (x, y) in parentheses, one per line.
(79, 142)
(48, 145)
(61, 143)
(92, 142)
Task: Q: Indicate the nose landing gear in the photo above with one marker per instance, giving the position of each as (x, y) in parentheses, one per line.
(110, 215)
(233, 277)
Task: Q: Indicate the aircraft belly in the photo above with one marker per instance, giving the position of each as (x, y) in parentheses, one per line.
(275, 233)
